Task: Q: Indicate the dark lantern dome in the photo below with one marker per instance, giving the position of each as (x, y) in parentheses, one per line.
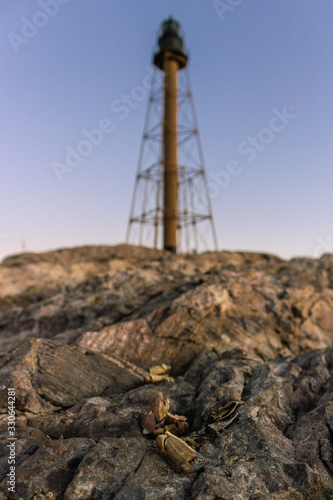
(170, 41)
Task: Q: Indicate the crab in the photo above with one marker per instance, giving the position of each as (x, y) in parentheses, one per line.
(159, 369)
(165, 427)
(158, 373)
(221, 416)
(156, 379)
(159, 420)
(180, 455)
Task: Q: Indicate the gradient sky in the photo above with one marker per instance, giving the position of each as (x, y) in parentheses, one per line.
(255, 57)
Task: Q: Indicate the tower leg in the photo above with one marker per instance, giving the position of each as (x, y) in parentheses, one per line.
(170, 68)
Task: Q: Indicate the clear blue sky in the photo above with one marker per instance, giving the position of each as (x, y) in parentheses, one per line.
(255, 57)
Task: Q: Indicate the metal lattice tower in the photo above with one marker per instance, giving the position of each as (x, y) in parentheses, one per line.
(171, 207)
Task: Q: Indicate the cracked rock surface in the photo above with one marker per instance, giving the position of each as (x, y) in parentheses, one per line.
(80, 328)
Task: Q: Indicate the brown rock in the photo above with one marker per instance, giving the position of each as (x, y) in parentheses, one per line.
(233, 326)
(105, 469)
(47, 375)
(47, 473)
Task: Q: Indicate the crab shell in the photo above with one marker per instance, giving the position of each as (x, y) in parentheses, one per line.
(158, 406)
(180, 455)
(159, 369)
(155, 379)
(154, 419)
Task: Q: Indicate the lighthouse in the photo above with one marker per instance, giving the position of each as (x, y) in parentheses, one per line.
(170, 59)
(171, 200)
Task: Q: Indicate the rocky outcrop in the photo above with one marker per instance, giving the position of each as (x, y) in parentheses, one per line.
(84, 325)
(48, 375)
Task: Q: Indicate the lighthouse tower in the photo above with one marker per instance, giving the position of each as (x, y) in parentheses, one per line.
(171, 198)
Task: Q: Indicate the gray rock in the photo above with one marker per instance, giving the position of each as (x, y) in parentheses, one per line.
(104, 470)
(233, 326)
(47, 473)
(48, 375)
